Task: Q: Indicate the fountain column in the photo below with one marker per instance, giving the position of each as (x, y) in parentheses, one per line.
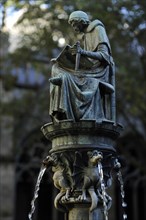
(82, 157)
(84, 128)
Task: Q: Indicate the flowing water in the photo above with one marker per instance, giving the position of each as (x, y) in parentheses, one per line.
(120, 179)
(103, 191)
(119, 175)
(37, 187)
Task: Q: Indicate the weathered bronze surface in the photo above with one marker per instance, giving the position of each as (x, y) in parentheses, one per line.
(82, 83)
(85, 134)
(83, 130)
(77, 150)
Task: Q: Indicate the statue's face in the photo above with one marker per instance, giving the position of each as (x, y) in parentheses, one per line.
(78, 26)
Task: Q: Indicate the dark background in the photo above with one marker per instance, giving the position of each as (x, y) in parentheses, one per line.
(24, 72)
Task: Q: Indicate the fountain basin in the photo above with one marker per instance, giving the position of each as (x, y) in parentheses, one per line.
(85, 134)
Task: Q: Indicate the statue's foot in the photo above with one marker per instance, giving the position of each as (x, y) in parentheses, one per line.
(58, 116)
(107, 120)
(55, 120)
(65, 198)
(82, 197)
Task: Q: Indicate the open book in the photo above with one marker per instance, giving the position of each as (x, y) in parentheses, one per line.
(67, 60)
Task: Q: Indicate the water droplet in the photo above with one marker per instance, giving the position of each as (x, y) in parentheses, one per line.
(124, 216)
(124, 204)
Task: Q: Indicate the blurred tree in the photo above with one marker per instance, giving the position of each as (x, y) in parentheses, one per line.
(43, 32)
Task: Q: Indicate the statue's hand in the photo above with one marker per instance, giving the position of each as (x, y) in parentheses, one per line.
(74, 50)
(81, 51)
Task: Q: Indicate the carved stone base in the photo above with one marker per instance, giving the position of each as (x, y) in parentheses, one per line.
(82, 157)
(81, 212)
(85, 134)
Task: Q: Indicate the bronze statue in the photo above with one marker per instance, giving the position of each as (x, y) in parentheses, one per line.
(84, 128)
(82, 81)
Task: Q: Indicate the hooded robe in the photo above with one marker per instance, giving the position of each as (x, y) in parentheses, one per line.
(79, 96)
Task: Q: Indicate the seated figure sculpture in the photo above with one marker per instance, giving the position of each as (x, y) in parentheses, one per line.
(82, 78)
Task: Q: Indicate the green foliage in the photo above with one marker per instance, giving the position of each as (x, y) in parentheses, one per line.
(44, 23)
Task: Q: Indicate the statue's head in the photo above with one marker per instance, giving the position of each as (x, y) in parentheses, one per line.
(78, 20)
(78, 16)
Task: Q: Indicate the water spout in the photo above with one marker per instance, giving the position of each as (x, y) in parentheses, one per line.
(124, 205)
(37, 187)
(117, 167)
(103, 192)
